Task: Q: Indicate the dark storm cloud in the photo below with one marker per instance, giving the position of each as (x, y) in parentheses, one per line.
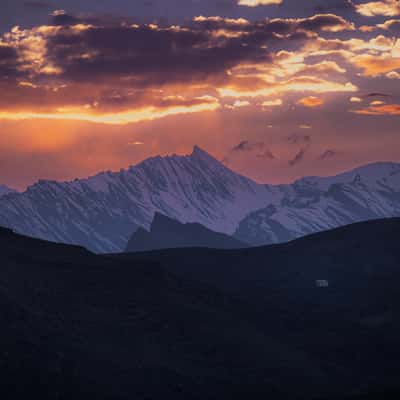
(61, 18)
(376, 94)
(266, 154)
(7, 53)
(299, 157)
(147, 55)
(296, 138)
(299, 139)
(8, 62)
(105, 64)
(65, 19)
(248, 146)
(176, 11)
(154, 55)
(339, 5)
(327, 154)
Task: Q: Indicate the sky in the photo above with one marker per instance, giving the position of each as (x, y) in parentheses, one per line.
(275, 89)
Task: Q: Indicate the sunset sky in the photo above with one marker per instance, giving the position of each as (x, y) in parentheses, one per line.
(276, 89)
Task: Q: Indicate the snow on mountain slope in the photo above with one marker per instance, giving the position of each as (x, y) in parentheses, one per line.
(103, 211)
(316, 204)
(5, 190)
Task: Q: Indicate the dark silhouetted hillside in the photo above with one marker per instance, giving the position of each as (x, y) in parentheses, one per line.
(167, 233)
(333, 295)
(312, 319)
(80, 326)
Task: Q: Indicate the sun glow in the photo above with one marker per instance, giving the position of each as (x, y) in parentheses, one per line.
(119, 118)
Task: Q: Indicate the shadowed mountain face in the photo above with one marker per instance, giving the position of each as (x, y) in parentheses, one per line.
(167, 233)
(332, 295)
(102, 211)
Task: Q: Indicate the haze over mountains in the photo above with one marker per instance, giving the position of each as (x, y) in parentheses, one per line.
(102, 212)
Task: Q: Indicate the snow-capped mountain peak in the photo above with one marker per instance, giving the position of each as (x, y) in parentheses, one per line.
(373, 174)
(101, 212)
(314, 204)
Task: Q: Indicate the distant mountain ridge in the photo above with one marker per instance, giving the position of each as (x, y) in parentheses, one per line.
(317, 204)
(102, 212)
(6, 190)
(168, 233)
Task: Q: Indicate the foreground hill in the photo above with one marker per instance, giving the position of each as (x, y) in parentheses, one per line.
(333, 295)
(304, 320)
(80, 326)
(167, 233)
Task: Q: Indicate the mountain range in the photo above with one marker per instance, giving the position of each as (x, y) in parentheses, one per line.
(6, 190)
(315, 204)
(102, 212)
(203, 323)
(168, 233)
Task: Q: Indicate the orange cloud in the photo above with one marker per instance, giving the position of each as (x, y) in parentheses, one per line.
(367, 28)
(393, 75)
(305, 126)
(117, 118)
(390, 24)
(387, 109)
(387, 8)
(272, 103)
(375, 65)
(238, 104)
(311, 101)
(297, 84)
